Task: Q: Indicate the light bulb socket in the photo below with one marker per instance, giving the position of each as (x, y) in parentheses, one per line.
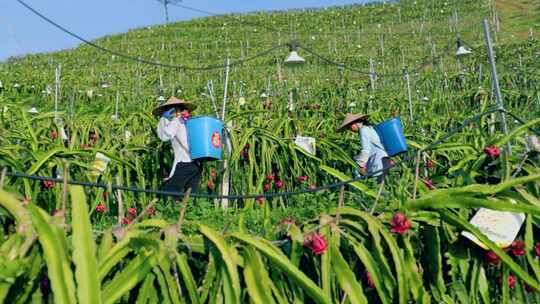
(293, 46)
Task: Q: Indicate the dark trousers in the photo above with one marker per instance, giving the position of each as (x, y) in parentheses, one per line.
(387, 163)
(186, 175)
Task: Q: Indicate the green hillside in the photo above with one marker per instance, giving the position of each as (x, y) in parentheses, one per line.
(257, 249)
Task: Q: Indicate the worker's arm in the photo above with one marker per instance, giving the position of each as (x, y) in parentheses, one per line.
(365, 139)
(181, 135)
(167, 129)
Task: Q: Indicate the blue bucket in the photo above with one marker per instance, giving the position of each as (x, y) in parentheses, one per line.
(204, 136)
(392, 138)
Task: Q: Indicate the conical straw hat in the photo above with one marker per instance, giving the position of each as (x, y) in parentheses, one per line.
(350, 119)
(171, 103)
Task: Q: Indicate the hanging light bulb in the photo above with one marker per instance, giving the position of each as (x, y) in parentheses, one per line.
(461, 50)
(33, 110)
(293, 59)
(161, 98)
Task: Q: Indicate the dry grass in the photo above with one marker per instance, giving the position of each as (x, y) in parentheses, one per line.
(519, 16)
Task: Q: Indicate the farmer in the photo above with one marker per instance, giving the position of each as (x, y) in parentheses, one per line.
(185, 172)
(372, 158)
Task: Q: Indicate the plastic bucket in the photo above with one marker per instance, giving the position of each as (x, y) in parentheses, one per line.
(392, 138)
(204, 137)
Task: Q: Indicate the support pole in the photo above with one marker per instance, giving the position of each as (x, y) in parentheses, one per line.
(56, 90)
(210, 88)
(227, 68)
(409, 95)
(373, 82)
(497, 88)
(116, 105)
(372, 76)
(226, 173)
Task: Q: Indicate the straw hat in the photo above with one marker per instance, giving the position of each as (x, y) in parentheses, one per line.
(350, 119)
(172, 103)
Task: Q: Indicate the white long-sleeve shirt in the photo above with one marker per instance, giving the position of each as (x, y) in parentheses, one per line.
(372, 150)
(175, 131)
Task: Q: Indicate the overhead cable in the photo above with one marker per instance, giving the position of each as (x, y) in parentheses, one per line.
(146, 61)
(347, 67)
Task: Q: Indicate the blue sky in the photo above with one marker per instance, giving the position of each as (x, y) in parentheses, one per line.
(21, 32)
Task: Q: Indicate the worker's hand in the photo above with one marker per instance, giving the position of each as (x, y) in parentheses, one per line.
(169, 114)
(362, 171)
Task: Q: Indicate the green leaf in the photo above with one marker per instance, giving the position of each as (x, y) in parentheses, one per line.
(115, 255)
(105, 245)
(372, 268)
(466, 201)
(42, 158)
(172, 288)
(281, 262)
(226, 255)
(346, 277)
(342, 177)
(433, 258)
(135, 271)
(256, 277)
(84, 249)
(522, 274)
(326, 267)
(144, 292)
(375, 226)
(53, 242)
(187, 276)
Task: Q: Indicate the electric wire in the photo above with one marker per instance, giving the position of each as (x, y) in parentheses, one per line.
(194, 68)
(142, 60)
(341, 65)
